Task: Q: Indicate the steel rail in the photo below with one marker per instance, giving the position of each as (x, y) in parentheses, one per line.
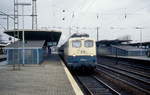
(129, 71)
(98, 84)
(113, 77)
(141, 79)
(113, 90)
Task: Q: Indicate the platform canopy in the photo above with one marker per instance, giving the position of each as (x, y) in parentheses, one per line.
(112, 42)
(27, 45)
(49, 36)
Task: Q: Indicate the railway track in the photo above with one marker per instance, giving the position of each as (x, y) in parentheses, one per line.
(131, 70)
(123, 62)
(132, 80)
(141, 68)
(126, 66)
(94, 86)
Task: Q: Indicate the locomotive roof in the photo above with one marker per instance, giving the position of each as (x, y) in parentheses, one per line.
(81, 38)
(79, 35)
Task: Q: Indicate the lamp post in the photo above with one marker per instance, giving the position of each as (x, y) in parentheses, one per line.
(140, 28)
(97, 28)
(23, 38)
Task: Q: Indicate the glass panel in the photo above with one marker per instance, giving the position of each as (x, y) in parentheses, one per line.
(76, 43)
(88, 43)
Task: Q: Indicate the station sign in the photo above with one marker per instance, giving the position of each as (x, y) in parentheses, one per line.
(51, 43)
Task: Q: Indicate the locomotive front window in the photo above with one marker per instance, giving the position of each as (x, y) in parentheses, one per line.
(88, 43)
(76, 43)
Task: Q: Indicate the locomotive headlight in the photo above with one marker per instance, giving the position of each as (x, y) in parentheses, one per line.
(74, 55)
(91, 55)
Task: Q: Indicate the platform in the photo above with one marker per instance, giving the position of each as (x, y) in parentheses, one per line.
(48, 78)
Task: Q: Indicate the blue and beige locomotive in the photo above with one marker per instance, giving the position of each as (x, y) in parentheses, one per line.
(79, 52)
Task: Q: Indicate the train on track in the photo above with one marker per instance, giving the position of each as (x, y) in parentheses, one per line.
(79, 53)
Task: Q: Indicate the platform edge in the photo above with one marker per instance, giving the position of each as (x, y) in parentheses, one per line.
(74, 85)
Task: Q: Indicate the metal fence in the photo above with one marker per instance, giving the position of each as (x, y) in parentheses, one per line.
(32, 56)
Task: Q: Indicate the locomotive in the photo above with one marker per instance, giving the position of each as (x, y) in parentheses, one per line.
(79, 52)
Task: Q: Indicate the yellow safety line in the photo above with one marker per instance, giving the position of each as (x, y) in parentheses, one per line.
(75, 86)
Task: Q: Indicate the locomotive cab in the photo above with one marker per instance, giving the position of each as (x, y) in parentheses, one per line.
(82, 53)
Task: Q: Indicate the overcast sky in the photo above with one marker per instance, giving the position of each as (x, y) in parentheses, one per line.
(116, 18)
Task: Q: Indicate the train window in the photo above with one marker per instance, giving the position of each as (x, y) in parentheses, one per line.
(88, 43)
(76, 43)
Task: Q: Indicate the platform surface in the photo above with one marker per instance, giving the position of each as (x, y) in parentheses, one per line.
(46, 79)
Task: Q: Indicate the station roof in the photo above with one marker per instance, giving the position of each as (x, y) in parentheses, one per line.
(47, 35)
(143, 43)
(27, 45)
(128, 48)
(112, 41)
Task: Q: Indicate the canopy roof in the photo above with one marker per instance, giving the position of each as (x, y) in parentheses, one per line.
(48, 36)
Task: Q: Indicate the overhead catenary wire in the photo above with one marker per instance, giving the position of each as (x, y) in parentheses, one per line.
(3, 27)
(3, 13)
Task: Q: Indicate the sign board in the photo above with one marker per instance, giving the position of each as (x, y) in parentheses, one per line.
(51, 43)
